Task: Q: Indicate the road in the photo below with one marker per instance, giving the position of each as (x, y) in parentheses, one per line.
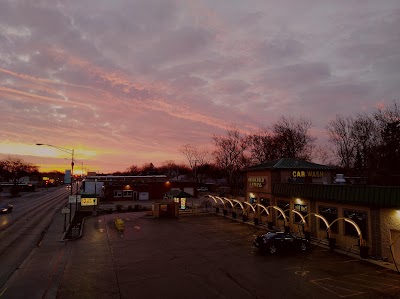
(23, 229)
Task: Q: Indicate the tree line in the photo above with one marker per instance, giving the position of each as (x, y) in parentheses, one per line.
(365, 146)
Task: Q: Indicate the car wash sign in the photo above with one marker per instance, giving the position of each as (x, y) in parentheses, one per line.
(257, 182)
(307, 173)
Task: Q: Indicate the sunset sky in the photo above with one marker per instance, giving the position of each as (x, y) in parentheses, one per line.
(127, 82)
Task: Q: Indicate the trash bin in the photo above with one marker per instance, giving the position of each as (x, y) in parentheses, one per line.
(234, 215)
(217, 210)
(225, 212)
(244, 218)
(256, 221)
(75, 232)
(364, 252)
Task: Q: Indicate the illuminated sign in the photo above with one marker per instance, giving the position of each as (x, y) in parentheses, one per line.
(92, 201)
(308, 173)
(183, 203)
(301, 208)
(45, 178)
(258, 182)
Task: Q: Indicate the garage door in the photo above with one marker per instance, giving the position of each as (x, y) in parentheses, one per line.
(144, 196)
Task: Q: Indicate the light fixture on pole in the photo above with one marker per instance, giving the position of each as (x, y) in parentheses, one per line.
(69, 151)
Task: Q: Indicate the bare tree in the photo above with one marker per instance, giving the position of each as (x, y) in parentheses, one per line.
(14, 169)
(322, 154)
(148, 169)
(388, 124)
(365, 135)
(133, 170)
(230, 154)
(262, 146)
(196, 158)
(340, 135)
(292, 138)
(389, 115)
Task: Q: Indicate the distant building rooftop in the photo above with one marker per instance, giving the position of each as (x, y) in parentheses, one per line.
(289, 163)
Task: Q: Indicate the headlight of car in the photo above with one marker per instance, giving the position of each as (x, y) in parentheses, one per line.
(4, 210)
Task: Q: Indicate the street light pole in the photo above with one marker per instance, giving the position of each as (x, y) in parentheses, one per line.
(69, 151)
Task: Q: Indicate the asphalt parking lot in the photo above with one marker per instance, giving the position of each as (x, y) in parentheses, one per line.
(193, 256)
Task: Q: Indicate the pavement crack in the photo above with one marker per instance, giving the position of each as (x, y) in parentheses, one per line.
(237, 282)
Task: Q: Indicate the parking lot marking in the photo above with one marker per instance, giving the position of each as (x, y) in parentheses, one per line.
(354, 284)
(337, 290)
(301, 273)
(351, 285)
(373, 279)
(389, 273)
(2, 292)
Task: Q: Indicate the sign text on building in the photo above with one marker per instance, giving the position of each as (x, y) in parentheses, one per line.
(258, 182)
(308, 173)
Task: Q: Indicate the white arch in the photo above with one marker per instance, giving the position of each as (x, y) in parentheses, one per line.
(320, 217)
(280, 210)
(211, 197)
(250, 205)
(230, 201)
(260, 205)
(217, 197)
(301, 216)
(235, 200)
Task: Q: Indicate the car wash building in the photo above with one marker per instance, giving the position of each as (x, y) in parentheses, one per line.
(305, 191)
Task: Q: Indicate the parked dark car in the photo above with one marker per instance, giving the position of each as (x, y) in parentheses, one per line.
(273, 242)
(6, 208)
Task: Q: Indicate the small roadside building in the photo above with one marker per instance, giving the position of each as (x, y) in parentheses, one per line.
(134, 188)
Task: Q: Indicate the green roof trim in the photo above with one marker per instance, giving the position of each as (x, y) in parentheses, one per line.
(377, 196)
(290, 163)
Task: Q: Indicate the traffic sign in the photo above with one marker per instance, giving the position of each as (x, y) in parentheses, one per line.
(65, 210)
(74, 198)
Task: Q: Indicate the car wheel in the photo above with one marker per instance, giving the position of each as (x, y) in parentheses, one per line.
(272, 249)
(303, 246)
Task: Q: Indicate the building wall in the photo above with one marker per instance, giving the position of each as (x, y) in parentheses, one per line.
(256, 187)
(389, 231)
(381, 226)
(156, 190)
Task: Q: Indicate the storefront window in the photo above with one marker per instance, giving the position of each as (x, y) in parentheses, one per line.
(117, 193)
(128, 193)
(252, 200)
(330, 214)
(265, 202)
(302, 209)
(360, 218)
(284, 205)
